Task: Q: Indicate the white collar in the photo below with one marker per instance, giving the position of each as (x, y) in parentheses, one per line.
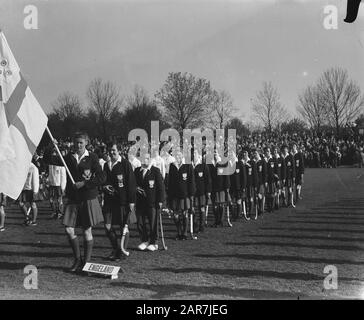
(195, 164)
(111, 165)
(78, 159)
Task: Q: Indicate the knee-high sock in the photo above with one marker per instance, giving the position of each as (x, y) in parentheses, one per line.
(202, 219)
(35, 213)
(111, 234)
(216, 214)
(184, 223)
(88, 245)
(177, 222)
(239, 209)
(75, 245)
(222, 214)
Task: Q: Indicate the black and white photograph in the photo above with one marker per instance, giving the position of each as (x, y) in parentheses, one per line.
(189, 151)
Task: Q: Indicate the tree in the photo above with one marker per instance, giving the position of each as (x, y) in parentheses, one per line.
(341, 97)
(185, 100)
(292, 126)
(241, 129)
(106, 101)
(222, 109)
(66, 116)
(267, 108)
(67, 106)
(140, 112)
(312, 108)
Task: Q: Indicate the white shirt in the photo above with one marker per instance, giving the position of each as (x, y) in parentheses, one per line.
(159, 163)
(32, 181)
(78, 159)
(112, 164)
(135, 163)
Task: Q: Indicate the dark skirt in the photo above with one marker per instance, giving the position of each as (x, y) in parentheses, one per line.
(55, 192)
(181, 204)
(278, 185)
(236, 195)
(26, 196)
(117, 215)
(250, 192)
(2, 200)
(261, 189)
(271, 189)
(219, 197)
(85, 214)
(289, 183)
(299, 179)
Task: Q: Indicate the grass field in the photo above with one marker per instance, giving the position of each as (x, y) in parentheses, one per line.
(282, 255)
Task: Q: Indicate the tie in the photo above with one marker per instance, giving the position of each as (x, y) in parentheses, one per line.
(144, 172)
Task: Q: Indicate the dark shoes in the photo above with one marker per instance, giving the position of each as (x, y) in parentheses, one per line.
(77, 266)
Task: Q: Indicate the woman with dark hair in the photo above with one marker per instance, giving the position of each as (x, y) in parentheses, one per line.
(83, 208)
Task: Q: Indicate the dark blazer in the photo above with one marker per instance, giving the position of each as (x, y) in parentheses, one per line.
(252, 174)
(270, 164)
(88, 170)
(153, 186)
(181, 182)
(280, 168)
(122, 178)
(262, 171)
(299, 163)
(219, 182)
(202, 179)
(290, 167)
(236, 177)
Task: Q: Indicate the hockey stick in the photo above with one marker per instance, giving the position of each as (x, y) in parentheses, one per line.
(206, 214)
(228, 215)
(161, 229)
(256, 204)
(245, 214)
(125, 237)
(193, 237)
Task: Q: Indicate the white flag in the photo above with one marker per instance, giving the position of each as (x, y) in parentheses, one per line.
(22, 120)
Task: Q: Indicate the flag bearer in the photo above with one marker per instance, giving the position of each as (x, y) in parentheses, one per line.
(83, 208)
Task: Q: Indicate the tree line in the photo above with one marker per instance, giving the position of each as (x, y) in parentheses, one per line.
(186, 101)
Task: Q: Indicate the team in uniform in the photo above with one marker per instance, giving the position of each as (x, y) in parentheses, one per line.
(139, 189)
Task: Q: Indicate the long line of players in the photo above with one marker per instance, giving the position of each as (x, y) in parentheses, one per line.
(129, 191)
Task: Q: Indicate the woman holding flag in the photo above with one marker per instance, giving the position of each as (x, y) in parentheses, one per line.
(83, 208)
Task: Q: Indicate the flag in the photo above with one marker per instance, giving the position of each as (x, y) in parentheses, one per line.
(22, 124)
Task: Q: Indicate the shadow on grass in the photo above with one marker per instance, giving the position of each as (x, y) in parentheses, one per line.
(324, 222)
(170, 291)
(244, 273)
(308, 237)
(314, 230)
(49, 245)
(260, 257)
(297, 245)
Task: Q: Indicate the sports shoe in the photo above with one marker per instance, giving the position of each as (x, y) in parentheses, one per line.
(152, 247)
(33, 223)
(143, 246)
(2, 229)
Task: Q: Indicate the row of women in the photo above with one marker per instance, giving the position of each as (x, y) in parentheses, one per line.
(139, 195)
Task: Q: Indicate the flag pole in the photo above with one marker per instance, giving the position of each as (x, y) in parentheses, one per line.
(60, 155)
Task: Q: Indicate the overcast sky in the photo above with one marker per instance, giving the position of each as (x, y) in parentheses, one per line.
(235, 44)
